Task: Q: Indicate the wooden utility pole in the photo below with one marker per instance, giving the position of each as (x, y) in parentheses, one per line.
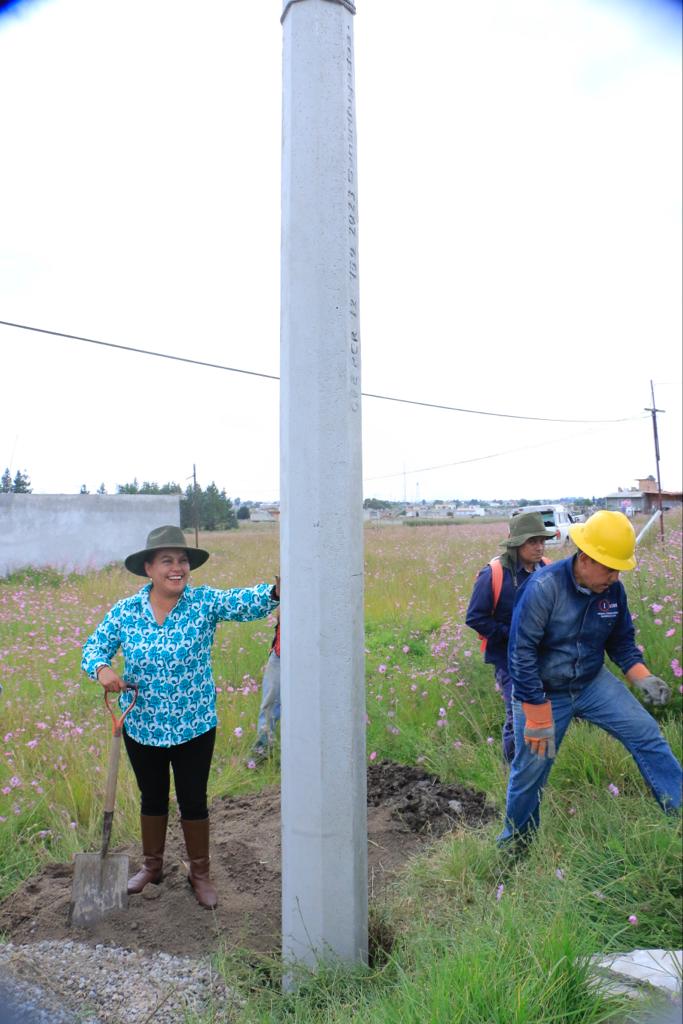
(654, 410)
(195, 510)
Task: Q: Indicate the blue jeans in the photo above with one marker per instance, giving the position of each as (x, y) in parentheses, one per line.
(504, 681)
(610, 704)
(269, 712)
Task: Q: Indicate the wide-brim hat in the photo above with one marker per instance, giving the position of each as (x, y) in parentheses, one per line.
(164, 537)
(524, 527)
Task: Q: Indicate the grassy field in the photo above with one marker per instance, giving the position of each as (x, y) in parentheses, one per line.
(465, 937)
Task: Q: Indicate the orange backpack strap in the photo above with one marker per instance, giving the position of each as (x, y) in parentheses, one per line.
(496, 587)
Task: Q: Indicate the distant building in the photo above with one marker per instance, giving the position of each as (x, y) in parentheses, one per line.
(627, 501)
(643, 499)
(265, 514)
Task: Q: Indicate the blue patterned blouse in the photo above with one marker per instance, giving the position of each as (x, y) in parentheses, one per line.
(171, 663)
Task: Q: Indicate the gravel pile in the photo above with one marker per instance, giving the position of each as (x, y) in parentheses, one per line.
(73, 983)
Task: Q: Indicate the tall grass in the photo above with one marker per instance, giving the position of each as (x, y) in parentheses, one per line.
(475, 937)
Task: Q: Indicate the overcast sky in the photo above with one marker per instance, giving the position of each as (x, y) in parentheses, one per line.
(520, 242)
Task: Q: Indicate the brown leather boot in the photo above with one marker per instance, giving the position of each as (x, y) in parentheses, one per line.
(153, 828)
(197, 844)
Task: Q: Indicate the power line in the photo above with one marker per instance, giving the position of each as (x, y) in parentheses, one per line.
(139, 351)
(483, 458)
(270, 376)
(482, 412)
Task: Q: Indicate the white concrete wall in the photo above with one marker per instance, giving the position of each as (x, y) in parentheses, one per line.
(77, 532)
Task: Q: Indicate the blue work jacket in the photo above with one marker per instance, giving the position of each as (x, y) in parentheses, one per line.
(495, 625)
(560, 633)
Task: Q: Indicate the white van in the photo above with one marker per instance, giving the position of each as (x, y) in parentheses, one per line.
(555, 517)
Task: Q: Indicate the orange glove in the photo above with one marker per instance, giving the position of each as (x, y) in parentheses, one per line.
(539, 731)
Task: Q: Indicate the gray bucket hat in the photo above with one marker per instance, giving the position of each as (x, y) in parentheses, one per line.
(524, 527)
(164, 537)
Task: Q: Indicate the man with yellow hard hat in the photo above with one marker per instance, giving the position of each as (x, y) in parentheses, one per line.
(568, 617)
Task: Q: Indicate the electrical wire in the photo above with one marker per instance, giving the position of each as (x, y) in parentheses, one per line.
(270, 376)
(483, 458)
(139, 351)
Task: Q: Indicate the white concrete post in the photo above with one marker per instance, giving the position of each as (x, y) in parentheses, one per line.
(324, 816)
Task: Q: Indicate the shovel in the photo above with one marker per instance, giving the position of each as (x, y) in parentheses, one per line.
(100, 882)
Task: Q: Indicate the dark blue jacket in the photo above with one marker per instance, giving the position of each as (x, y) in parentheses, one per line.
(495, 625)
(560, 633)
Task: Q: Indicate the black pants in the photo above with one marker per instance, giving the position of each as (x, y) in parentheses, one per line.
(191, 762)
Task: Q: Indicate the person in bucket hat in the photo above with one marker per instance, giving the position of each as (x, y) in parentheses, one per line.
(496, 589)
(570, 616)
(165, 633)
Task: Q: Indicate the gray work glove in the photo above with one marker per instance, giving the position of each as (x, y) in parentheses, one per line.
(654, 690)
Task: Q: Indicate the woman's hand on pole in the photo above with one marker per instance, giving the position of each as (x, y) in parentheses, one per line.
(109, 680)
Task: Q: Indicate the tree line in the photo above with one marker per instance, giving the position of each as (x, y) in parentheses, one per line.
(20, 485)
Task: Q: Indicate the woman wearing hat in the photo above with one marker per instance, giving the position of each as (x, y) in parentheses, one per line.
(496, 589)
(165, 633)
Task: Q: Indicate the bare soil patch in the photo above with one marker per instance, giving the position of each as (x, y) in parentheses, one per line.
(406, 808)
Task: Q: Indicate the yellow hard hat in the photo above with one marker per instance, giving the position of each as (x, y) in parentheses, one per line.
(607, 538)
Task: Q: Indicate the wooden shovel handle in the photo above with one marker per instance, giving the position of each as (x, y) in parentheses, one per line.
(112, 774)
(115, 750)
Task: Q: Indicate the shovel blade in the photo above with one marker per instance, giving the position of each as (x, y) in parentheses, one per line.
(100, 886)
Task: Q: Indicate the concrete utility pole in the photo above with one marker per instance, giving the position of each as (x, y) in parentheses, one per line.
(324, 815)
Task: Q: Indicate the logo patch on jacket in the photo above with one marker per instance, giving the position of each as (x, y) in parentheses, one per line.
(607, 609)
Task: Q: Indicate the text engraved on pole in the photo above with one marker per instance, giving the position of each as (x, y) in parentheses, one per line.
(352, 224)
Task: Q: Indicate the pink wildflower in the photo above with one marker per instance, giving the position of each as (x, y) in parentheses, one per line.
(406, 649)
(373, 755)
(670, 632)
(238, 731)
(614, 790)
(251, 764)
(499, 892)
(490, 740)
(632, 919)
(382, 669)
(656, 608)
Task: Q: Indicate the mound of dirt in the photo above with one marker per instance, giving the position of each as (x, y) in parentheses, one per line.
(406, 806)
(422, 802)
